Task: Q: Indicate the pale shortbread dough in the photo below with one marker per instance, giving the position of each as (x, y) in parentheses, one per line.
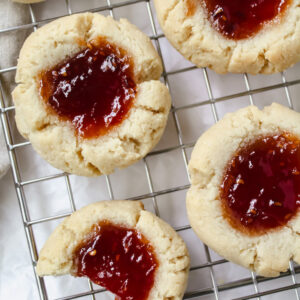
(55, 140)
(56, 257)
(267, 254)
(275, 48)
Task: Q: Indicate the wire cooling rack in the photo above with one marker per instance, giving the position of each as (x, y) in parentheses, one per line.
(207, 101)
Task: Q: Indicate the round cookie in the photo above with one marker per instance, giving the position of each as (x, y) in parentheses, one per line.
(170, 277)
(266, 252)
(274, 48)
(54, 138)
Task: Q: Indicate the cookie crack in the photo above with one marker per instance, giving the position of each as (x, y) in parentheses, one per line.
(198, 175)
(87, 32)
(229, 52)
(168, 11)
(130, 143)
(160, 110)
(79, 154)
(188, 30)
(256, 260)
(138, 216)
(292, 230)
(266, 61)
(179, 257)
(44, 126)
(94, 168)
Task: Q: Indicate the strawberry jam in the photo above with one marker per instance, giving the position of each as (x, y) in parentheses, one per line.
(261, 185)
(240, 19)
(119, 259)
(94, 89)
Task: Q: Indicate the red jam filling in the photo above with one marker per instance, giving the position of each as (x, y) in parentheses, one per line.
(119, 259)
(240, 19)
(261, 185)
(94, 89)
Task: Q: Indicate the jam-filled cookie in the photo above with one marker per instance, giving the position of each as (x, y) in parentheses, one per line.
(234, 36)
(89, 97)
(122, 247)
(245, 188)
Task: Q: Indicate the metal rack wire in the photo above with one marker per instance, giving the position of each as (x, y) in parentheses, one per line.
(216, 289)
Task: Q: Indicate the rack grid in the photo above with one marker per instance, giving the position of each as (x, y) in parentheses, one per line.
(216, 288)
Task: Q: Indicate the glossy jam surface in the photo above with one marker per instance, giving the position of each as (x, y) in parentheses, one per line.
(119, 259)
(94, 89)
(239, 19)
(261, 185)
